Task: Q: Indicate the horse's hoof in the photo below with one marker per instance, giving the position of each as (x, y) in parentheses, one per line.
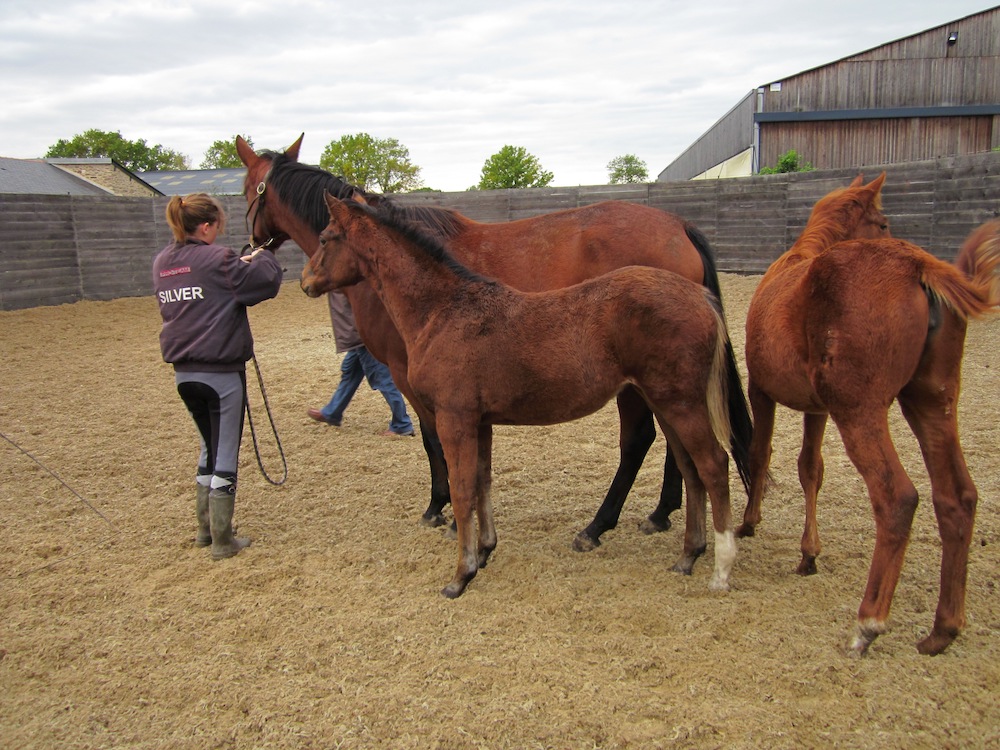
(433, 520)
(935, 643)
(453, 590)
(807, 566)
(867, 631)
(683, 566)
(718, 584)
(858, 647)
(744, 530)
(484, 556)
(649, 526)
(583, 542)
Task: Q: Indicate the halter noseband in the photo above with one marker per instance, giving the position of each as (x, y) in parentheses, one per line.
(256, 206)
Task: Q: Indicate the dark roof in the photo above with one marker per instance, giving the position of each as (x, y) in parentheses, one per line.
(212, 181)
(37, 177)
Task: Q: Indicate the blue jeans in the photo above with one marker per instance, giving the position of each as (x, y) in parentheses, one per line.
(357, 365)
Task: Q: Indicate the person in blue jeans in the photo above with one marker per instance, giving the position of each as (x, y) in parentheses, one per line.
(358, 364)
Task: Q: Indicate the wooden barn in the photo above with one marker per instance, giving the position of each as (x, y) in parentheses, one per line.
(932, 94)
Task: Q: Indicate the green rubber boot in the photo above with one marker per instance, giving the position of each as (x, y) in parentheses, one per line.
(204, 537)
(221, 505)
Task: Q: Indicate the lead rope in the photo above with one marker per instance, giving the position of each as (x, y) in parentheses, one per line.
(256, 205)
(274, 430)
(78, 496)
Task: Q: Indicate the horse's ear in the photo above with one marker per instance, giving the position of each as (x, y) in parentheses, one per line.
(247, 155)
(359, 197)
(335, 206)
(292, 152)
(857, 181)
(874, 191)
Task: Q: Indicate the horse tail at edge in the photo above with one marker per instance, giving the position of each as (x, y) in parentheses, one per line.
(727, 401)
(979, 260)
(971, 287)
(740, 422)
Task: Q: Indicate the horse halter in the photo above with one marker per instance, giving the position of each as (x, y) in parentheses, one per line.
(256, 206)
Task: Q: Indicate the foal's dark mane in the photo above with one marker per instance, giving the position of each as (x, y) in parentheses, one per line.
(398, 219)
(301, 187)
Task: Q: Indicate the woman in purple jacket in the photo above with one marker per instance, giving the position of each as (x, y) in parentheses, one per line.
(203, 290)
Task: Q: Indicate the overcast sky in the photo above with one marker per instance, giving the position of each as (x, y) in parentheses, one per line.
(575, 83)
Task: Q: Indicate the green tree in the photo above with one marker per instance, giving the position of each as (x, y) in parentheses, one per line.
(374, 164)
(133, 155)
(222, 154)
(627, 169)
(513, 167)
(788, 162)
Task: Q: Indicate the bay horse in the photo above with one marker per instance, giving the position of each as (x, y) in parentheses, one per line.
(540, 253)
(844, 323)
(481, 353)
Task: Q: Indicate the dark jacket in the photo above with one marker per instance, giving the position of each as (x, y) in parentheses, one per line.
(203, 292)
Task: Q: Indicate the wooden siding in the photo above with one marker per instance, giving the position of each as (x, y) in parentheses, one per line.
(60, 249)
(922, 70)
(830, 145)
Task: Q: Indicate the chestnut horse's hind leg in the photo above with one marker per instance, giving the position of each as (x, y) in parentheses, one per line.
(894, 500)
(763, 407)
(955, 499)
(636, 435)
(811, 479)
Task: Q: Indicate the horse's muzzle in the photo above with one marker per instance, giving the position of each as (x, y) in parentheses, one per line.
(309, 287)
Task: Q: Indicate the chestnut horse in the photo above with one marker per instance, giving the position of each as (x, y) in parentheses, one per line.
(481, 353)
(544, 252)
(842, 324)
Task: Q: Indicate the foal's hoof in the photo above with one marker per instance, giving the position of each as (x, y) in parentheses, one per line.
(718, 583)
(452, 591)
(935, 643)
(483, 556)
(865, 634)
(649, 526)
(433, 520)
(583, 542)
(744, 530)
(807, 566)
(457, 586)
(684, 566)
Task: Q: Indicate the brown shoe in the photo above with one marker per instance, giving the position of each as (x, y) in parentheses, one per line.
(320, 417)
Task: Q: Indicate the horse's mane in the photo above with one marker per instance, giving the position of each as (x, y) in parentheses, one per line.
(829, 219)
(301, 187)
(399, 219)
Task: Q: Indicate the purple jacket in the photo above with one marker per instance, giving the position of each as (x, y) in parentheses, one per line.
(203, 292)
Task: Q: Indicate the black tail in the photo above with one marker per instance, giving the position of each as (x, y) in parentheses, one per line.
(740, 422)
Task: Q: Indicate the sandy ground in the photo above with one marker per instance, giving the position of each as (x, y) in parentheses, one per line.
(329, 632)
